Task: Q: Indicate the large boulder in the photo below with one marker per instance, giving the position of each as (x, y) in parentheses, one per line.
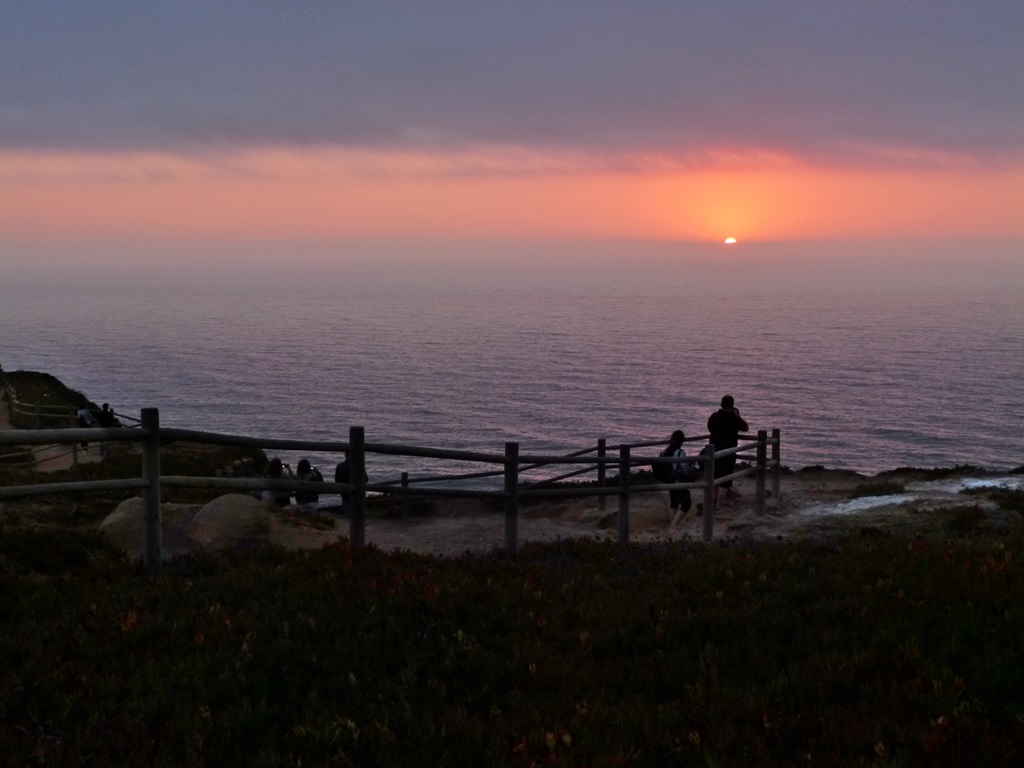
(124, 527)
(233, 520)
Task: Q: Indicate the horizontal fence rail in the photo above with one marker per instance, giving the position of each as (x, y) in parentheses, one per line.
(596, 459)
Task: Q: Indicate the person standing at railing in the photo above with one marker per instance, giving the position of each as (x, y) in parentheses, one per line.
(106, 421)
(277, 471)
(343, 474)
(681, 472)
(305, 500)
(84, 416)
(725, 424)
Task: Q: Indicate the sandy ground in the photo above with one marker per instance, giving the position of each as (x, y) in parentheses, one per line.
(810, 503)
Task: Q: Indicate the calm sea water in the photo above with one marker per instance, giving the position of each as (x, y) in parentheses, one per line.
(865, 364)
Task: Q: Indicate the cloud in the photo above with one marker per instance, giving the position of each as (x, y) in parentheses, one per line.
(529, 82)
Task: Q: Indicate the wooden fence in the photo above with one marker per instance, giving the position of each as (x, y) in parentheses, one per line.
(38, 415)
(41, 416)
(511, 463)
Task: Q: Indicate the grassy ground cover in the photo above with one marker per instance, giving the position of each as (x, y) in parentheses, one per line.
(844, 651)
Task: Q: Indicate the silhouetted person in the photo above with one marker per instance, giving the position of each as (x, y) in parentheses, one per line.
(106, 421)
(682, 472)
(725, 424)
(307, 501)
(343, 474)
(84, 416)
(277, 471)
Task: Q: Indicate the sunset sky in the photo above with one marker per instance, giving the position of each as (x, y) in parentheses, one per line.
(206, 123)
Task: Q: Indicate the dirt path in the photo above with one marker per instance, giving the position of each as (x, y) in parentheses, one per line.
(49, 458)
(810, 504)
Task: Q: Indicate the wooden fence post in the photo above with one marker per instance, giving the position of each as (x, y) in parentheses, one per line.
(404, 500)
(152, 543)
(762, 457)
(512, 497)
(623, 494)
(776, 469)
(602, 472)
(709, 494)
(357, 477)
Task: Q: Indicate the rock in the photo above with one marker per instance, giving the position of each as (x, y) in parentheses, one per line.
(600, 518)
(124, 527)
(232, 520)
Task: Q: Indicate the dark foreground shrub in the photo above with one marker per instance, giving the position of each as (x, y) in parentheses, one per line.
(856, 652)
(964, 519)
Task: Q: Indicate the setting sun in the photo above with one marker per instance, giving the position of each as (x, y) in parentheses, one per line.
(730, 240)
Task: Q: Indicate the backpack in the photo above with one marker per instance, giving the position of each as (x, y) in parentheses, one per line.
(662, 471)
(686, 472)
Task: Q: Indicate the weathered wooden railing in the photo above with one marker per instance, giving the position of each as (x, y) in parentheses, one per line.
(511, 464)
(37, 415)
(40, 416)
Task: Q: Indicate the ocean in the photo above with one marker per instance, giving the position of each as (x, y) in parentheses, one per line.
(866, 357)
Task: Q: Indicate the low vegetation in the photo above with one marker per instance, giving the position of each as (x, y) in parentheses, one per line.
(885, 488)
(851, 650)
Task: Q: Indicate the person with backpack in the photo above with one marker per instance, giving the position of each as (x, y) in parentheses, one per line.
(307, 501)
(84, 416)
(682, 471)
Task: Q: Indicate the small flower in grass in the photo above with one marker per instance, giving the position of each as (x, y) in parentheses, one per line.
(129, 621)
(566, 739)
(532, 667)
(695, 738)
(550, 740)
(880, 748)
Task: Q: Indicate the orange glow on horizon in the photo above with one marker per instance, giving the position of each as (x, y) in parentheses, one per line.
(293, 197)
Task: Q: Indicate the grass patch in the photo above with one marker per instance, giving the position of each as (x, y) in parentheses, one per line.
(1009, 500)
(963, 520)
(884, 488)
(868, 651)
